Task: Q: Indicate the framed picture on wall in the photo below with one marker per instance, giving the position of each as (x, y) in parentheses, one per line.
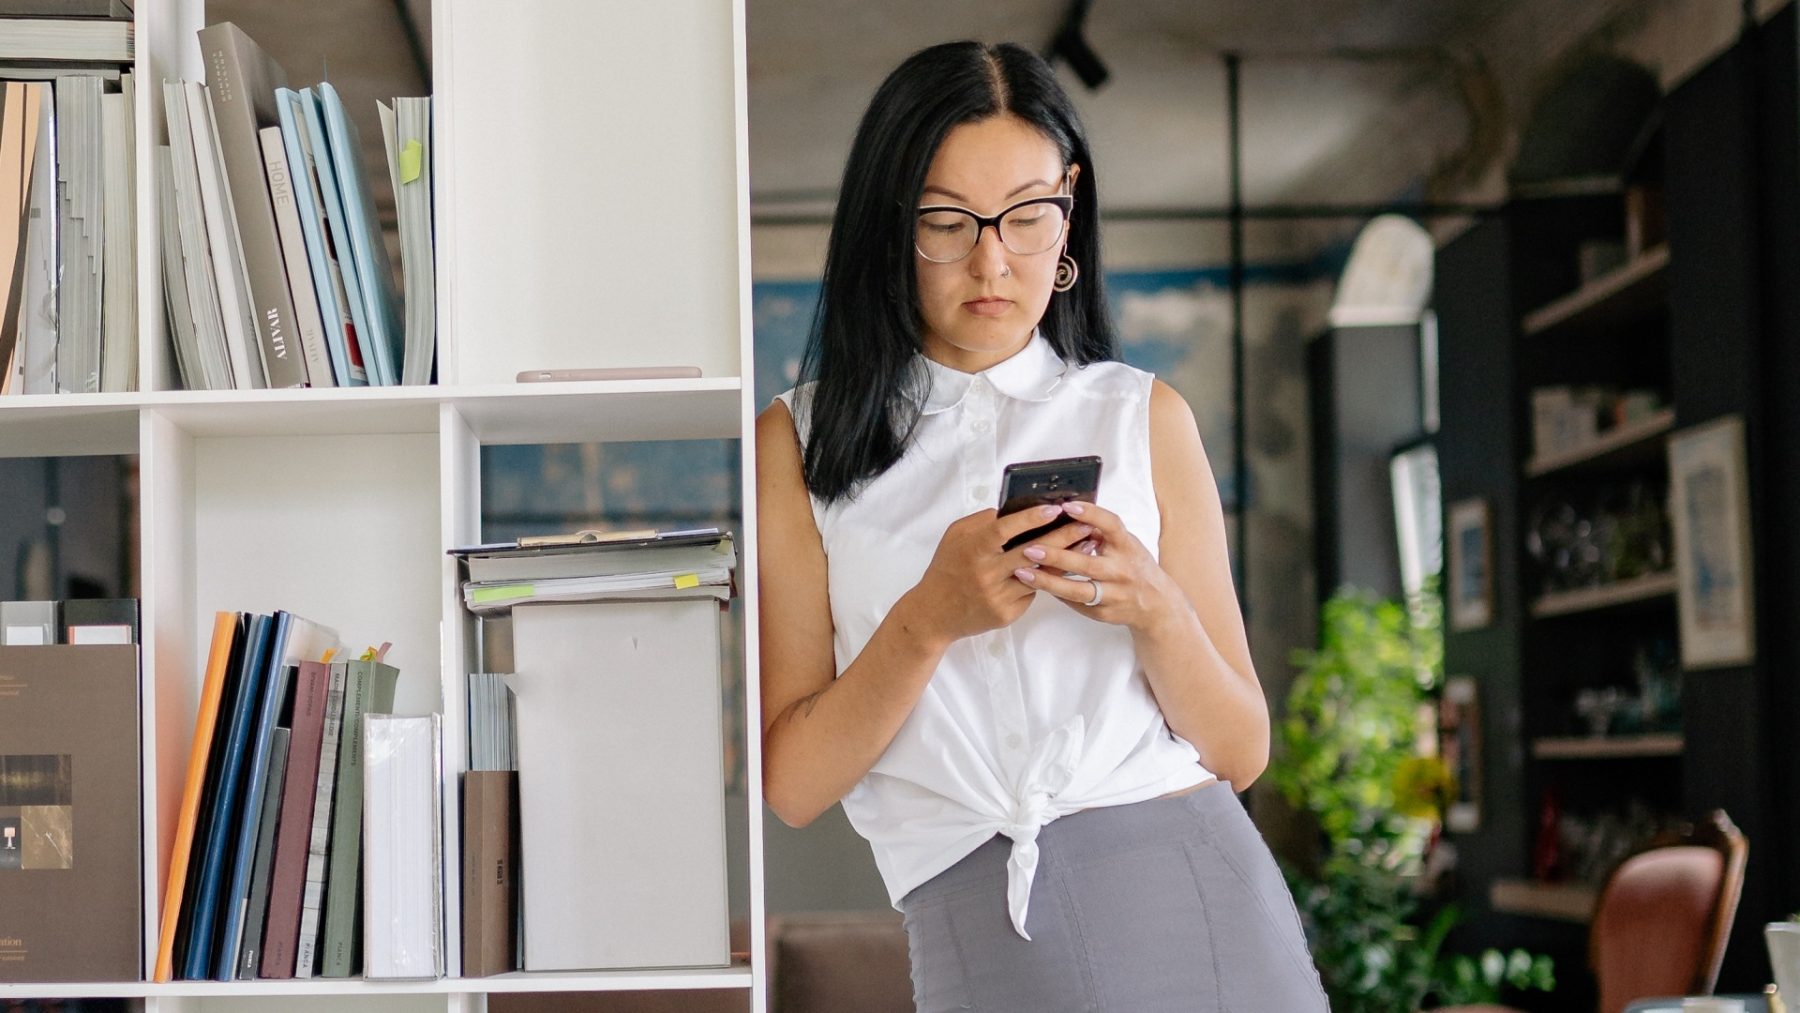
(1470, 584)
(1459, 745)
(1709, 496)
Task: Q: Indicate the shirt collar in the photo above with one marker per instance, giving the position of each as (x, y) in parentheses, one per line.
(1030, 374)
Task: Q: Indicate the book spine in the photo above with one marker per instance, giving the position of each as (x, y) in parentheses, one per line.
(279, 758)
(287, 881)
(312, 905)
(293, 255)
(235, 91)
(370, 691)
(489, 890)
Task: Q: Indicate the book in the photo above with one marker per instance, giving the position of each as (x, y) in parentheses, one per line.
(28, 623)
(184, 928)
(287, 887)
(379, 329)
(621, 686)
(71, 861)
(212, 358)
(223, 246)
(118, 247)
(490, 844)
(368, 689)
(81, 220)
(212, 689)
(250, 953)
(33, 317)
(291, 638)
(244, 836)
(100, 621)
(312, 908)
(406, 131)
(337, 227)
(67, 39)
(240, 84)
(21, 135)
(403, 924)
(321, 256)
(307, 323)
(539, 561)
(209, 919)
(177, 305)
(186, 819)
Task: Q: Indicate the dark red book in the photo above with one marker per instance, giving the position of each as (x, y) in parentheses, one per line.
(287, 885)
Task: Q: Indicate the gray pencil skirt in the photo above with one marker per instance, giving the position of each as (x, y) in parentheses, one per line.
(1174, 904)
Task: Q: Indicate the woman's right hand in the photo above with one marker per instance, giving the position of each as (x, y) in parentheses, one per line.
(969, 588)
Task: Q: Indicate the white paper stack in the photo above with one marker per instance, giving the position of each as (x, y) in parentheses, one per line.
(81, 212)
(403, 899)
(118, 354)
(686, 564)
(621, 785)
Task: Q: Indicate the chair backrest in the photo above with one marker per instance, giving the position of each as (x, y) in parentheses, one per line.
(1665, 913)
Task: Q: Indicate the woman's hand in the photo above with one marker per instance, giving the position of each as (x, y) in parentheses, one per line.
(1135, 591)
(970, 588)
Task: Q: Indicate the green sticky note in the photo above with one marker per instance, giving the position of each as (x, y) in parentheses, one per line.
(412, 158)
(487, 594)
(687, 580)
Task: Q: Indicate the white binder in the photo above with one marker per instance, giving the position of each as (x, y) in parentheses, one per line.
(621, 785)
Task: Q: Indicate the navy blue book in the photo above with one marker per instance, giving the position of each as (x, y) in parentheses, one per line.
(235, 902)
(215, 856)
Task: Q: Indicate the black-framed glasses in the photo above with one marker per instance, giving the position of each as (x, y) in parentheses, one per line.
(946, 233)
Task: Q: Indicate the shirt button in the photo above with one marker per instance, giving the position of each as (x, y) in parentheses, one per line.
(981, 426)
(997, 649)
(1014, 742)
(981, 492)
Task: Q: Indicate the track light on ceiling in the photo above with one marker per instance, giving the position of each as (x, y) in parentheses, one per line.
(1069, 44)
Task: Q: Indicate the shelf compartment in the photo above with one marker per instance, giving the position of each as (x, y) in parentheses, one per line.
(1565, 902)
(1624, 444)
(1607, 748)
(59, 425)
(735, 976)
(1624, 592)
(1617, 297)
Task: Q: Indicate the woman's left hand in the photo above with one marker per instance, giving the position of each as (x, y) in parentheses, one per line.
(1134, 591)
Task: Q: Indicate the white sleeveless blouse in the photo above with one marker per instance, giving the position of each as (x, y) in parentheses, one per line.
(1033, 721)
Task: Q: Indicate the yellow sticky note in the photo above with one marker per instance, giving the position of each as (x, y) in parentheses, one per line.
(688, 580)
(487, 594)
(412, 158)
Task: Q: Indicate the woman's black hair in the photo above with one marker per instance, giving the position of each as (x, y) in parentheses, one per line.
(867, 328)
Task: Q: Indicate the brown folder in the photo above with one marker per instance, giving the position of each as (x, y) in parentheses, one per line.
(490, 828)
(71, 871)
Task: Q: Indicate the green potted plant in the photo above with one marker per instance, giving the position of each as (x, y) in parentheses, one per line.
(1350, 756)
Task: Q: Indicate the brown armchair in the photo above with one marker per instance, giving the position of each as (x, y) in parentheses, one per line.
(1664, 915)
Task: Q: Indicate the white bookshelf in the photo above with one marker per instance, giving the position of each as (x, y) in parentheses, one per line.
(592, 209)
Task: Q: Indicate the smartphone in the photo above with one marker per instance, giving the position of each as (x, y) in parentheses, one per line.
(1030, 484)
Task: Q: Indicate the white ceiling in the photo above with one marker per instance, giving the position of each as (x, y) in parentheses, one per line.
(1315, 71)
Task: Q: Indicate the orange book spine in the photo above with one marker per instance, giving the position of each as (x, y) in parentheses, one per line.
(224, 629)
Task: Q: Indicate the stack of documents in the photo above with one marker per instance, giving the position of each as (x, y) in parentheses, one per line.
(403, 898)
(591, 566)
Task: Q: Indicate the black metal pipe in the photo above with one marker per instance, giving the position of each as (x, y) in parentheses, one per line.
(1239, 453)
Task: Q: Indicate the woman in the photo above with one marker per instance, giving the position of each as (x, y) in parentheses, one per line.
(1033, 741)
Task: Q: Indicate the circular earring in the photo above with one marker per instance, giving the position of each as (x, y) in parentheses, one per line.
(1066, 273)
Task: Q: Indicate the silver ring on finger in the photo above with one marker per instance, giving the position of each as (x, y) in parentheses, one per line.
(1095, 600)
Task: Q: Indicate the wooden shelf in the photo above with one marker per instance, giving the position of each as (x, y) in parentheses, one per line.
(735, 976)
(1614, 298)
(1607, 748)
(1628, 443)
(1624, 592)
(1565, 902)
